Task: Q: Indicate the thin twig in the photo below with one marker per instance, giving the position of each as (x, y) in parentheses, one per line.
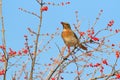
(60, 63)
(26, 11)
(36, 45)
(4, 44)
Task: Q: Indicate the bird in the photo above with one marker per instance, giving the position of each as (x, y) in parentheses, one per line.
(70, 38)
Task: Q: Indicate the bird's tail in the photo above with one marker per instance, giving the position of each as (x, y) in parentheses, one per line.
(82, 46)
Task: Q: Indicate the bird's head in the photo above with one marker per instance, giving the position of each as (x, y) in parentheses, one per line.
(66, 25)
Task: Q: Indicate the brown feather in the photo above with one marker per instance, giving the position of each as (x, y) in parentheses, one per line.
(69, 37)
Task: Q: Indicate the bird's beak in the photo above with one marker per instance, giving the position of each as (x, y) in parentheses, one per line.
(62, 23)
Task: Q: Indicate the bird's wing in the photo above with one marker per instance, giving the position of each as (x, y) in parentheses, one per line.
(76, 36)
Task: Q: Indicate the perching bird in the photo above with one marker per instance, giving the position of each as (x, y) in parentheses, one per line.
(69, 37)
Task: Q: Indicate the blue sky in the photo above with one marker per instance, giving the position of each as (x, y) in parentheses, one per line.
(16, 21)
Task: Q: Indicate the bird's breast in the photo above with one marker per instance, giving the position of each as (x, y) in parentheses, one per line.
(69, 38)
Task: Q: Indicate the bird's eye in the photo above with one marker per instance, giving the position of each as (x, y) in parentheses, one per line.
(67, 24)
